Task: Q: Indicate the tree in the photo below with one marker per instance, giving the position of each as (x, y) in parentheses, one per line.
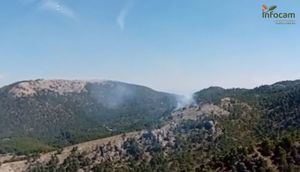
(267, 147)
(283, 165)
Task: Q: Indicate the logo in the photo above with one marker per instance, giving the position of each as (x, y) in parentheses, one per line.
(279, 17)
(266, 9)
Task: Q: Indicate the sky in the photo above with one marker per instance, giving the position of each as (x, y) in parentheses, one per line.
(169, 45)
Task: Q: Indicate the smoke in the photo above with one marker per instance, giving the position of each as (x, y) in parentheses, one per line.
(186, 100)
(110, 94)
(116, 95)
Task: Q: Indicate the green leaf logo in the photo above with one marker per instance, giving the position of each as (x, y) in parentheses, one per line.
(272, 8)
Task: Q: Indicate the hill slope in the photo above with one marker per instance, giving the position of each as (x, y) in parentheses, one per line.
(61, 112)
(225, 130)
(277, 106)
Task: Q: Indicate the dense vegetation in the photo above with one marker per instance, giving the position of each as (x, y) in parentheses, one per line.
(276, 106)
(195, 149)
(56, 120)
(260, 132)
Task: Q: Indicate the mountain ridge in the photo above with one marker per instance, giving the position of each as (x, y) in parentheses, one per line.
(61, 112)
(222, 130)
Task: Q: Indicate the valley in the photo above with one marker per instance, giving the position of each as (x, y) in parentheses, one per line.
(112, 148)
(223, 130)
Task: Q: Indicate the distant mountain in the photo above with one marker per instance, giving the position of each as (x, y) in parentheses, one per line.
(239, 130)
(62, 112)
(278, 104)
(222, 130)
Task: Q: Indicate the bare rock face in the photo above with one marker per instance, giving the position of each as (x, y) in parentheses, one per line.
(119, 148)
(31, 88)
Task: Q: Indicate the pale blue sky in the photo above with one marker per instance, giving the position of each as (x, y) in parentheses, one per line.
(170, 45)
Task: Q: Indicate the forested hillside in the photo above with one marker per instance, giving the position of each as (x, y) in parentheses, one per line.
(55, 113)
(225, 130)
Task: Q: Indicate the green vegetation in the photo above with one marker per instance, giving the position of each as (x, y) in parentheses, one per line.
(23, 145)
(260, 132)
(104, 109)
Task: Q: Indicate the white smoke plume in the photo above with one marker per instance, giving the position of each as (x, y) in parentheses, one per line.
(184, 101)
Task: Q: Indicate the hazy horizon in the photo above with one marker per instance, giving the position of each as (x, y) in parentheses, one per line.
(186, 94)
(177, 46)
